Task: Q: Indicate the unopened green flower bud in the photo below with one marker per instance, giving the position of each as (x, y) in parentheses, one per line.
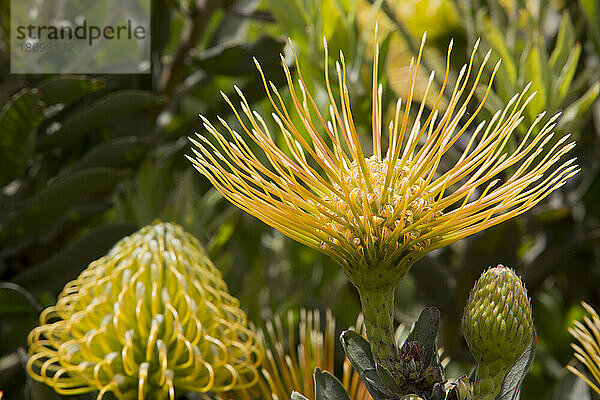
(149, 320)
(498, 327)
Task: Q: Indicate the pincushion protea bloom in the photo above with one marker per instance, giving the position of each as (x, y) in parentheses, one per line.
(376, 215)
(150, 319)
(588, 352)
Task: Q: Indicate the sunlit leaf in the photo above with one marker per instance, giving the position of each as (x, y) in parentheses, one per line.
(564, 43)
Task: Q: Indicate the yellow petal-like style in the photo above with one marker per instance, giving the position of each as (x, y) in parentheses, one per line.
(149, 320)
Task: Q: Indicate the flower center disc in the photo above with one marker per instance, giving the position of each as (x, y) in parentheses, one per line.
(378, 222)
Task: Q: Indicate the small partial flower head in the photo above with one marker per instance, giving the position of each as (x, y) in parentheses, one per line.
(150, 319)
(498, 326)
(377, 214)
(588, 349)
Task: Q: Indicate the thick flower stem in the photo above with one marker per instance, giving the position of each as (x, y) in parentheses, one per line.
(378, 310)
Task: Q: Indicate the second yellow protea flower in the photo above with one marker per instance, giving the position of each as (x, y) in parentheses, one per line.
(150, 319)
(376, 215)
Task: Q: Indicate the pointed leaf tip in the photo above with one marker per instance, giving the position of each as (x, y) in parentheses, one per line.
(297, 396)
(328, 387)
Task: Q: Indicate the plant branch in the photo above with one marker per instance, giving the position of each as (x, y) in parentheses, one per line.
(202, 12)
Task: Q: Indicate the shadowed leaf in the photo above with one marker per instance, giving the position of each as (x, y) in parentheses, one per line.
(359, 353)
(97, 114)
(236, 59)
(328, 387)
(66, 88)
(52, 274)
(425, 330)
(19, 120)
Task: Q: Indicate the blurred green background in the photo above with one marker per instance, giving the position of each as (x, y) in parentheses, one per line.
(86, 160)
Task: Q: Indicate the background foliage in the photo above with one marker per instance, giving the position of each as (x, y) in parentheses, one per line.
(85, 160)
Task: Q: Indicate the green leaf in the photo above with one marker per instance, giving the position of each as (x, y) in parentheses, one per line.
(387, 379)
(425, 330)
(591, 10)
(16, 300)
(291, 16)
(97, 114)
(564, 43)
(563, 82)
(119, 152)
(328, 387)
(511, 385)
(67, 88)
(52, 274)
(574, 116)
(234, 25)
(535, 68)
(41, 212)
(359, 353)
(19, 120)
(497, 40)
(337, 20)
(236, 59)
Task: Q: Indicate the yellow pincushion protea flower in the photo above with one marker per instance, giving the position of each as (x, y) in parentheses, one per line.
(150, 319)
(588, 352)
(376, 215)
